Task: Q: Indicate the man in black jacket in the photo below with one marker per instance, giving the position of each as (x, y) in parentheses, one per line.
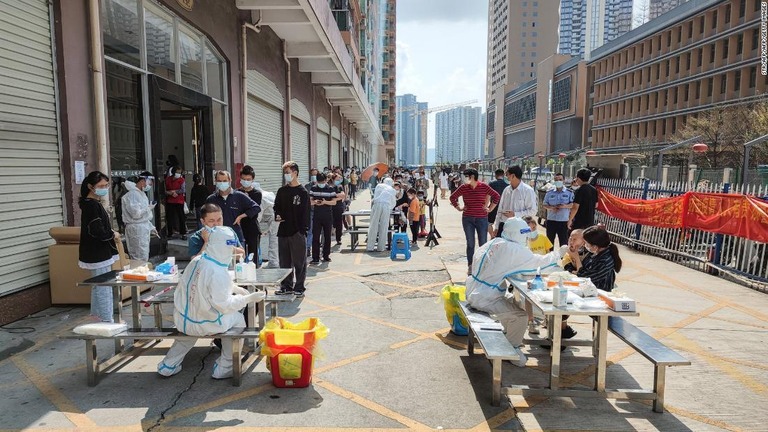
(292, 212)
(323, 198)
(250, 226)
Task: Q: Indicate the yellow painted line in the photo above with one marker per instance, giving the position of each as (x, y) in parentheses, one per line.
(700, 418)
(51, 375)
(56, 397)
(725, 359)
(345, 362)
(495, 421)
(719, 363)
(732, 321)
(358, 259)
(272, 429)
(373, 406)
(51, 335)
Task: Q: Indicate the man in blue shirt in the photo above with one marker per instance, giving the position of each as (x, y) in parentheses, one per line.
(558, 203)
(234, 205)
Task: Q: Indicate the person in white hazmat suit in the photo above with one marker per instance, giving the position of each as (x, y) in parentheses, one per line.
(268, 227)
(384, 200)
(506, 257)
(207, 302)
(138, 215)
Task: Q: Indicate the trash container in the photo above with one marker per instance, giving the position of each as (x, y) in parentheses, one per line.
(290, 348)
(452, 295)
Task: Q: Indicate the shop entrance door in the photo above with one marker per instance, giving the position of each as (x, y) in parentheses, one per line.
(181, 135)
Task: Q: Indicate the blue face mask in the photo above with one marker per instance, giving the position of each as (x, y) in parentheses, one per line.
(321, 185)
(246, 183)
(222, 186)
(101, 192)
(559, 184)
(147, 188)
(313, 179)
(337, 182)
(533, 234)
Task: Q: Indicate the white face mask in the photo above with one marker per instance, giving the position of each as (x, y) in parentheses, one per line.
(177, 175)
(246, 183)
(222, 186)
(288, 177)
(533, 234)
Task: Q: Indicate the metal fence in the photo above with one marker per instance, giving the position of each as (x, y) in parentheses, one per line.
(735, 258)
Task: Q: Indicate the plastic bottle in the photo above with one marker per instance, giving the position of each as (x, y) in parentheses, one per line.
(560, 295)
(538, 283)
(240, 270)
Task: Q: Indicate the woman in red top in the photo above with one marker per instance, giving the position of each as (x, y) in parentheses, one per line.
(175, 197)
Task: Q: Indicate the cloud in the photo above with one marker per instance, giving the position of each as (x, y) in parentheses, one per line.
(442, 10)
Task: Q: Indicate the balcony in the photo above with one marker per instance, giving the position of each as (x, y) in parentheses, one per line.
(311, 32)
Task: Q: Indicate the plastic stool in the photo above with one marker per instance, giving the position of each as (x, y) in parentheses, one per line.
(400, 245)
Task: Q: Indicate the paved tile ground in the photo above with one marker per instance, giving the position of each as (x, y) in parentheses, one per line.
(390, 364)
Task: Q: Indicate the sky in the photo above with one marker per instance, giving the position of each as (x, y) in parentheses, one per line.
(441, 52)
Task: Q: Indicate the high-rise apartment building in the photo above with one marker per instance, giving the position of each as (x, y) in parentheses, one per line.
(588, 24)
(459, 134)
(657, 8)
(411, 130)
(521, 33)
(388, 20)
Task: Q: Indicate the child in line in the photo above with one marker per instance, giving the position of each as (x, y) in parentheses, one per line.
(423, 213)
(414, 215)
(537, 243)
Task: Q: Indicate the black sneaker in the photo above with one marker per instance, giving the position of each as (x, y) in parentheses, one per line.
(183, 236)
(568, 332)
(314, 262)
(327, 259)
(283, 292)
(338, 243)
(299, 294)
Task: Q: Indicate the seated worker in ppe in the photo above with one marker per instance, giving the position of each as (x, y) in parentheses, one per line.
(207, 302)
(507, 256)
(210, 216)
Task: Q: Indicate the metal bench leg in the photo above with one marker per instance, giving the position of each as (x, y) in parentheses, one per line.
(273, 310)
(496, 401)
(659, 375)
(470, 341)
(91, 363)
(237, 362)
(158, 316)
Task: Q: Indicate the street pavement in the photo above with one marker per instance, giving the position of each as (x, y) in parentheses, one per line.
(389, 362)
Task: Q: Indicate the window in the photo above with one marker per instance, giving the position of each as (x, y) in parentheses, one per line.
(688, 62)
(755, 35)
(686, 90)
(710, 87)
(740, 44)
(533, 24)
(533, 54)
(728, 14)
(677, 65)
(190, 59)
(737, 81)
(701, 24)
(714, 19)
(752, 77)
(674, 96)
(722, 84)
(534, 34)
(531, 64)
(698, 89)
(120, 27)
(742, 8)
(725, 49)
(669, 39)
(690, 30)
(658, 70)
(700, 59)
(667, 63)
(161, 48)
(712, 53)
(680, 35)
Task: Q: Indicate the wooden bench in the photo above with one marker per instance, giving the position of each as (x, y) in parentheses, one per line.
(492, 340)
(93, 367)
(167, 297)
(659, 354)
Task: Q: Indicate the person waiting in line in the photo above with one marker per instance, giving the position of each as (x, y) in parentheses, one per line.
(336, 183)
(582, 213)
(518, 199)
(381, 208)
(414, 215)
(603, 261)
(97, 250)
(475, 211)
(499, 184)
(537, 243)
(199, 195)
(506, 257)
(175, 197)
(250, 226)
(137, 215)
(373, 181)
(292, 212)
(207, 302)
(353, 183)
(312, 182)
(420, 196)
(558, 203)
(323, 198)
(402, 204)
(234, 205)
(444, 185)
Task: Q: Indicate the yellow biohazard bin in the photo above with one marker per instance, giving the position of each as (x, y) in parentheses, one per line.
(290, 349)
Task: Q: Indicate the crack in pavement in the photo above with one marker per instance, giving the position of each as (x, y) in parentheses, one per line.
(181, 393)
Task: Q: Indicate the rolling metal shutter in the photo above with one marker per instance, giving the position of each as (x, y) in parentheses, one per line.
(29, 144)
(335, 144)
(265, 143)
(323, 130)
(265, 131)
(300, 147)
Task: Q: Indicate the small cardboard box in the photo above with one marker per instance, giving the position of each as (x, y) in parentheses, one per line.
(619, 304)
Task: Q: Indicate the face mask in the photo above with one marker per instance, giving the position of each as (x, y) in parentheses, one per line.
(101, 192)
(222, 186)
(337, 182)
(533, 234)
(246, 183)
(321, 185)
(288, 177)
(147, 188)
(559, 184)
(506, 180)
(177, 175)
(209, 229)
(313, 179)
(575, 188)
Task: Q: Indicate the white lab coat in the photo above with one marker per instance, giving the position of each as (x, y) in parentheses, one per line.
(205, 303)
(137, 215)
(268, 228)
(494, 261)
(521, 200)
(443, 181)
(384, 200)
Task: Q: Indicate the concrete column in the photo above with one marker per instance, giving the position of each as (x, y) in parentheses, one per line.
(664, 174)
(726, 175)
(642, 171)
(691, 173)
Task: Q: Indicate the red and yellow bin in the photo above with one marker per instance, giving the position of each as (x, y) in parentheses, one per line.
(290, 348)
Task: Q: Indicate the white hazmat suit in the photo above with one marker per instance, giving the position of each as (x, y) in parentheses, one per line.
(505, 257)
(384, 200)
(268, 228)
(137, 215)
(205, 303)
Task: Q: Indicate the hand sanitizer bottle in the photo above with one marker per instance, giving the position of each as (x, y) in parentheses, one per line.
(538, 282)
(560, 295)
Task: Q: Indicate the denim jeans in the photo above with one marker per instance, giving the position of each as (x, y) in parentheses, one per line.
(101, 298)
(472, 225)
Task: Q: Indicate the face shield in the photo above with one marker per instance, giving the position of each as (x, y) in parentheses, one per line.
(516, 230)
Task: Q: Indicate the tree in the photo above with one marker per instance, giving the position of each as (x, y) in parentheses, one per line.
(642, 10)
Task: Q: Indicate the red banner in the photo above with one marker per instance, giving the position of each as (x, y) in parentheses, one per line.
(731, 214)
